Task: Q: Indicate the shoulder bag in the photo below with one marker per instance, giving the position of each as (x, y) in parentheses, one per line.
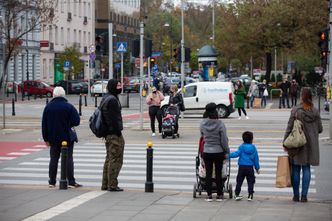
(296, 138)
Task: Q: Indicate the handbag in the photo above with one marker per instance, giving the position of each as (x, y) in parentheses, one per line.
(265, 93)
(283, 175)
(73, 135)
(296, 138)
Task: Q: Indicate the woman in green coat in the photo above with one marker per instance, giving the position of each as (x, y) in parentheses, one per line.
(240, 94)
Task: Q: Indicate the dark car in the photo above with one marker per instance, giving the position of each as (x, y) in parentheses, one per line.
(37, 87)
(73, 87)
(133, 84)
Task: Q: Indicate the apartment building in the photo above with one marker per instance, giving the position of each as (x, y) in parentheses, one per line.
(74, 26)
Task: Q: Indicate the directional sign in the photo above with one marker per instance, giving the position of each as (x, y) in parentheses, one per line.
(92, 56)
(121, 46)
(66, 65)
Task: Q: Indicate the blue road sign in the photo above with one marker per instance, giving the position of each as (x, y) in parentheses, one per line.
(66, 65)
(156, 54)
(92, 56)
(117, 65)
(121, 46)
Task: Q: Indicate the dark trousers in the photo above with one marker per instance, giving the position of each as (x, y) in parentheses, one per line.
(248, 173)
(294, 99)
(155, 112)
(283, 98)
(243, 110)
(217, 160)
(55, 151)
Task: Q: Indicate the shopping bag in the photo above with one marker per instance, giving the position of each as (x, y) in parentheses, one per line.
(297, 137)
(257, 102)
(283, 176)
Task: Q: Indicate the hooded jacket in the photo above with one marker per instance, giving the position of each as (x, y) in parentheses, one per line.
(312, 126)
(215, 136)
(112, 109)
(248, 155)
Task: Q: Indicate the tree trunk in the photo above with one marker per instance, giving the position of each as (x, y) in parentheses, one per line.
(268, 66)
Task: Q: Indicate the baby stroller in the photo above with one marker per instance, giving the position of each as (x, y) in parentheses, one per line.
(200, 184)
(170, 118)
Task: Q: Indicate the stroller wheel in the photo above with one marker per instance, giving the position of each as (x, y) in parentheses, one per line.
(199, 192)
(163, 136)
(230, 190)
(173, 136)
(178, 135)
(194, 190)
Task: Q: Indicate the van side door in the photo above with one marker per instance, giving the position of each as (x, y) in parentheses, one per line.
(189, 97)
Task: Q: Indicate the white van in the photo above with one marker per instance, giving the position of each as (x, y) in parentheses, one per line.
(197, 95)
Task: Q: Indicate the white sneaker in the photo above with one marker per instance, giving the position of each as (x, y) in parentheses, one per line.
(247, 117)
(153, 134)
(239, 118)
(237, 198)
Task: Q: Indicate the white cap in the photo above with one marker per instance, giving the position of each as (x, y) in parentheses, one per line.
(59, 92)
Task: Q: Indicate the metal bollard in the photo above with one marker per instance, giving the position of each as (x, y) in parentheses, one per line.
(80, 105)
(15, 96)
(95, 100)
(13, 107)
(46, 100)
(85, 101)
(149, 168)
(63, 180)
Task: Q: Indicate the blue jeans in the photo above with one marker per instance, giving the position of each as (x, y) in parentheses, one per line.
(306, 175)
(263, 102)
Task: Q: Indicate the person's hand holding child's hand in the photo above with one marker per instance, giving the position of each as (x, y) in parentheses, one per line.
(257, 171)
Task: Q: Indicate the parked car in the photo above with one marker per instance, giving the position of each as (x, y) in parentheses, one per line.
(73, 87)
(37, 87)
(132, 84)
(198, 95)
(99, 88)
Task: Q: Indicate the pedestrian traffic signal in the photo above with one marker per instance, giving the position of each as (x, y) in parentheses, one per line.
(135, 48)
(187, 54)
(99, 44)
(324, 46)
(323, 58)
(177, 54)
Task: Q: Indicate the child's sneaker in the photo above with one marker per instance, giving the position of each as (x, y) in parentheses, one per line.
(220, 198)
(238, 197)
(250, 197)
(209, 199)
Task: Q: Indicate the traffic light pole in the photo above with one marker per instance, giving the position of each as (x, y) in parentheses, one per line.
(110, 50)
(141, 71)
(182, 48)
(330, 65)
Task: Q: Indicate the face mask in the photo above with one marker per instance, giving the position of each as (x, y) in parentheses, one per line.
(118, 90)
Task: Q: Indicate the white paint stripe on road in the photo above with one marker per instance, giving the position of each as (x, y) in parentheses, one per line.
(7, 158)
(32, 149)
(40, 145)
(65, 206)
(19, 153)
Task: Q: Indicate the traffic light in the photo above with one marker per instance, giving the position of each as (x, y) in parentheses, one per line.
(187, 54)
(148, 47)
(152, 60)
(135, 48)
(324, 46)
(177, 54)
(99, 44)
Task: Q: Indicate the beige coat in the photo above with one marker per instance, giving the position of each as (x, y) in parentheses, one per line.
(312, 126)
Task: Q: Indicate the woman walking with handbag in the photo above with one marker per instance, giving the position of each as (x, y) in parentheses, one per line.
(240, 94)
(303, 157)
(153, 100)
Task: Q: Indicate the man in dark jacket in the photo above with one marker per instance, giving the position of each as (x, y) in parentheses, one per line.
(294, 88)
(114, 141)
(284, 86)
(59, 117)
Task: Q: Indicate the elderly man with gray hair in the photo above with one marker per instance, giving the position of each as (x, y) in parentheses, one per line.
(59, 117)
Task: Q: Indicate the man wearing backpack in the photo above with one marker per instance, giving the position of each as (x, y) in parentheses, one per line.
(114, 142)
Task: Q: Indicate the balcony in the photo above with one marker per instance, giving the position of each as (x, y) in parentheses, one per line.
(69, 18)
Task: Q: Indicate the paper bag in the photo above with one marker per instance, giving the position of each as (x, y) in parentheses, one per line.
(257, 102)
(283, 176)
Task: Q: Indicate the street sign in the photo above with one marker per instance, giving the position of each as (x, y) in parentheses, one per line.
(156, 54)
(121, 46)
(92, 56)
(66, 65)
(117, 65)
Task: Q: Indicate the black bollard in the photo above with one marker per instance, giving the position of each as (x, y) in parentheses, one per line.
(149, 168)
(15, 96)
(46, 100)
(85, 101)
(80, 105)
(35, 97)
(95, 100)
(13, 107)
(63, 180)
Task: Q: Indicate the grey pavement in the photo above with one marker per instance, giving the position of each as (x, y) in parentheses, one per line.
(40, 203)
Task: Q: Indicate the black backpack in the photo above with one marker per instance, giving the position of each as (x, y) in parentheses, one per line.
(97, 123)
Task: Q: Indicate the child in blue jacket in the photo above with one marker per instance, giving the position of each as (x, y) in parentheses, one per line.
(248, 159)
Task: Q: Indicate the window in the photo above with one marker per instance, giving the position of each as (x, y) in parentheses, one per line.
(56, 35)
(62, 6)
(68, 5)
(75, 8)
(80, 9)
(190, 91)
(75, 36)
(84, 38)
(89, 11)
(50, 34)
(62, 36)
(89, 38)
(44, 68)
(80, 36)
(50, 68)
(68, 36)
(84, 9)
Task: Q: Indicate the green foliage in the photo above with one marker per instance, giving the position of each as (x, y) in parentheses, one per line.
(73, 55)
(279, 77)
(312, 79)
(273, 78)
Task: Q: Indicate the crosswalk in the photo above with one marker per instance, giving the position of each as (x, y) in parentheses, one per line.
(173, 168)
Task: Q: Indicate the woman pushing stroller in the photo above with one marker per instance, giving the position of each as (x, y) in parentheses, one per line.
(215, 150)
(176, 99)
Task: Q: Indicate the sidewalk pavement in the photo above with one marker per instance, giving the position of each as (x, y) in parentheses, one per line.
(40, 203)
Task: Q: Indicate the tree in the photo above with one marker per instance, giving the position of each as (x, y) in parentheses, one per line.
(11, 28)
(73, 55)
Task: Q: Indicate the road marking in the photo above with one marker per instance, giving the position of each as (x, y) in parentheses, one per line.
(18, 153)
(65, 206)
(7, 158)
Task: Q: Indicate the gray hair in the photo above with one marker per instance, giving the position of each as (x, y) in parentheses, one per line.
(59, 92)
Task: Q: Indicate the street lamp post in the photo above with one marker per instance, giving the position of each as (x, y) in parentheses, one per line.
(182, 47)
(171, 44)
